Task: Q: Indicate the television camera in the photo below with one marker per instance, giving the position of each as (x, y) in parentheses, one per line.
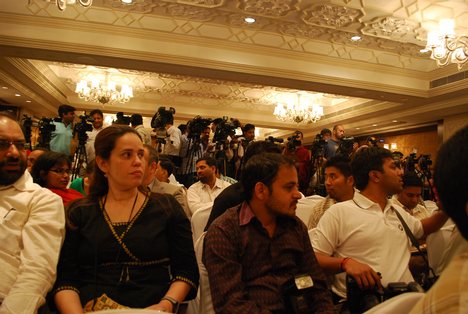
(225, 128)
(346, 146)
(160, 119)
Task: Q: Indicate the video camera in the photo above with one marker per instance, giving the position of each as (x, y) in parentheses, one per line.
(346, 146)
(197, 125)
(293, 141)
(162, 117)
(46, 127)
(360, 300)
(225, 128)
(318, 146)
(121, 119)
(373, 141)
(274, 139)
(85, 125)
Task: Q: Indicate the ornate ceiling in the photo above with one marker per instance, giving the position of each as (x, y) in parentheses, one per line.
(200, 57)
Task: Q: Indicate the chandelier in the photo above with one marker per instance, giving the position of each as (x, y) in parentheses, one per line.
(103, 93)
(300, 109)
(62, 4)
(445, 46)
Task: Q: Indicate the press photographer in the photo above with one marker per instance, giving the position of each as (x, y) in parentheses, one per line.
(163, 123)
(302, 157)
(317, 177)
(223, 153)
(61, 137)
(81, 130)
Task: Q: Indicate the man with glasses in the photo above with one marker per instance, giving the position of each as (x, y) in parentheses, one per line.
(32, 222)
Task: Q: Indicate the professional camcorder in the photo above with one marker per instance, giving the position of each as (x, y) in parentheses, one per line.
(360, 300)
(122, 119)
(162, 117)
(318, 146)
(346, 146)
(225, 128)
(274, 139)
(197, 125)
(85, 125)
(293, 141)
(46, 127)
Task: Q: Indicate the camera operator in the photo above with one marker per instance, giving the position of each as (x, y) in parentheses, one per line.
(61, 137)
(172, 146)
(365, 235)
(301, 156)
(237, 148)
(137, 123)
(98, 121)
(334, 141)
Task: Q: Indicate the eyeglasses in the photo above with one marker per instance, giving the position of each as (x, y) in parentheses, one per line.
(61, 171)
(4, 144)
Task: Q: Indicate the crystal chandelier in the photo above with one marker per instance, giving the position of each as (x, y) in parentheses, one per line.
(301, 110)
(445, 46)
(103, 92)
(62, 4)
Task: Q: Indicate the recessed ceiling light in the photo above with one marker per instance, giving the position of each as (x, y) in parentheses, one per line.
(127, 1)
(356, 38)
(394, 121)
(249, 20)
(28, 101)
(358, 128)
(374, 124)
(4, 87)
(17, 95)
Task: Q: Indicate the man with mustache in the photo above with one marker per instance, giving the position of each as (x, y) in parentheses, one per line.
(32, 222)
(254, 249)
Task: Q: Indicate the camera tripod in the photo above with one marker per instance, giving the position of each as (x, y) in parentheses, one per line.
(317, 179)
(79, 158)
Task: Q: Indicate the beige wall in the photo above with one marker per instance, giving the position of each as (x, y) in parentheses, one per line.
(452, 124)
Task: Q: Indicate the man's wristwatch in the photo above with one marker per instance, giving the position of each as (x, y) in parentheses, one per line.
(174, 302)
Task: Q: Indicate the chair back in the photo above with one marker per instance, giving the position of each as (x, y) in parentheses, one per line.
(199, 220)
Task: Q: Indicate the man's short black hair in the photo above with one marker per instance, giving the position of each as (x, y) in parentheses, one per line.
(366, 160)
(166, 164)
(210, 161)
(64, 109)
(325, 132)
(411, 178)
(248, 127)
(136, 119)
(258, 147)
(96, 111)
(451, 178)
(182, 128)
(262, 168)
(340, 162)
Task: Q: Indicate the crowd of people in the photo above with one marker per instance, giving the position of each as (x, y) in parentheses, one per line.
(119, 234)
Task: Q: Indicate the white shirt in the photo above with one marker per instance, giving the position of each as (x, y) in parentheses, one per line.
(172, 146)
(201, 195)
(359, 229)
(90, 143)
(145, 134)
(32, 228)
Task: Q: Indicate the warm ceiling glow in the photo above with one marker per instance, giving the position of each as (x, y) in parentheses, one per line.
(249, 20)
(4, 87)
(17, 95)
(28, 101)
(127, 1)
(447, 47)
(356, 38)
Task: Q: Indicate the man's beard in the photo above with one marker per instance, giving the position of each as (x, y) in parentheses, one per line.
(9, 177)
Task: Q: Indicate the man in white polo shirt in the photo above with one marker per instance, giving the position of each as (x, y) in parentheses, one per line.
(364, 236)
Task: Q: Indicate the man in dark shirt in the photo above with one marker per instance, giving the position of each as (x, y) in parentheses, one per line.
(255, 248)
(234, 194)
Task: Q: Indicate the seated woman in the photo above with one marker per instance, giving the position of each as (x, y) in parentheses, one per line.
(52, 171)
(123, 246)
(82, 184)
